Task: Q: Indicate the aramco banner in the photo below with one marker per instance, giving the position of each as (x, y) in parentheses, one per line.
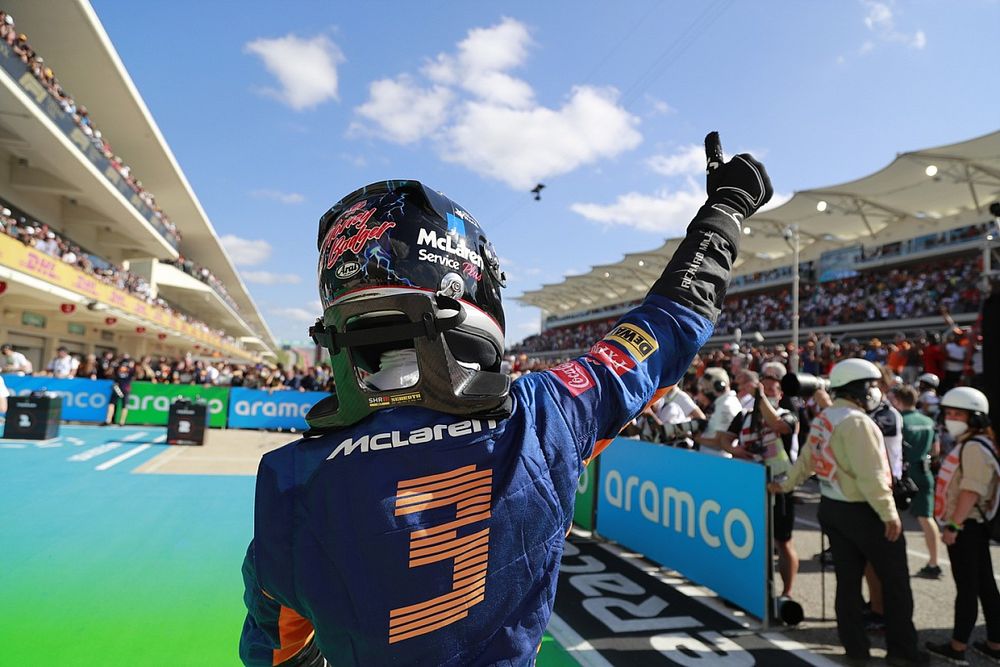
(149, 403)
(253, 408)
(704, 516)
(82, 400)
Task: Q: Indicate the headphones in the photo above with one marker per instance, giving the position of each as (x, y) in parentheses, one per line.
(719, 386)
(979, 420)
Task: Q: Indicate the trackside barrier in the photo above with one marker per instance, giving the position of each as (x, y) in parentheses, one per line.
(584, 512)
(704, 516)
(82, 400)
(253, 408)
(149, 403)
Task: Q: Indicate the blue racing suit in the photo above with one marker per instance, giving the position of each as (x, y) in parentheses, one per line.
(416, 537)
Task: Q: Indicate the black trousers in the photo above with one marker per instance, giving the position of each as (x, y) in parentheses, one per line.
(972, 570)
(857, 536)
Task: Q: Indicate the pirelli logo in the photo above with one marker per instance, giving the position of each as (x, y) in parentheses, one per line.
(638, 343)
(465, 542)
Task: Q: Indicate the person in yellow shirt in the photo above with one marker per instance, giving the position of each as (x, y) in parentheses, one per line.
(846, 452)
(965, 500)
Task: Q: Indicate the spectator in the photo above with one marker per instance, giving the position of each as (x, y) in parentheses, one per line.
(88, 368)
(921, 437)
(63, 365)
(13, 361)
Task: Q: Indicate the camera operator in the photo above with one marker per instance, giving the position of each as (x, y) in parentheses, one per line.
(674, 408)
(767, 433)
(714, 391)
(857, 511)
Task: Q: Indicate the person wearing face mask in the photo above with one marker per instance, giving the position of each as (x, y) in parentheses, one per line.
(965, 500)
(846, 452)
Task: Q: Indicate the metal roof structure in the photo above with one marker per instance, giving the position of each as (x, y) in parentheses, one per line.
(919, 192)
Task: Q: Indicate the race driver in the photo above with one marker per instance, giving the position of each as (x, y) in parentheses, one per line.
(421, 520)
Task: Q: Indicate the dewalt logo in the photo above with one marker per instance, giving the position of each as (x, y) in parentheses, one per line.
(638, 343)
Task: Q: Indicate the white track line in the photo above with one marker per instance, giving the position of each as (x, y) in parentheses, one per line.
(133, 436)
(12, 446)
(166, 457)
(579, 648)
(121, 457)
(160, 438)
(710, 599)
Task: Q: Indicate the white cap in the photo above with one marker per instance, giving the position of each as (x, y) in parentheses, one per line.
(966, 398)
(852, 370)
(930, 379)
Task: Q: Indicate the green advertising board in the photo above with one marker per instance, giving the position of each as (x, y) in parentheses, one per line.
(586, 497)
(149, 403)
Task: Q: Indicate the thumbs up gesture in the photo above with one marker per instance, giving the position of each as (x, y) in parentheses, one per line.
(742, 184)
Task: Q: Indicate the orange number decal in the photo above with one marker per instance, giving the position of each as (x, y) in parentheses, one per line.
(470, 491)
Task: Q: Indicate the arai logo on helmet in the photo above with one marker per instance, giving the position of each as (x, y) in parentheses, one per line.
(347, 269)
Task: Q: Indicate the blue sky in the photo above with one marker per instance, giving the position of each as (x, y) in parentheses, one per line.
(276, 110)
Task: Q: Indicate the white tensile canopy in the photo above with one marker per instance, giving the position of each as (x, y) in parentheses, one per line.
(919, 192)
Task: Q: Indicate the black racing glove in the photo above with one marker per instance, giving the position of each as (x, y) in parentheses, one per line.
(742, 184)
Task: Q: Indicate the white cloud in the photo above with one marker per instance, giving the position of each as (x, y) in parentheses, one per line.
(481, 63)
(297, 314)
(402, 111)
(777, 200)
(246, 252)
(879, 16)
(522, 147)
(659, 106)
(268, 278)
(665, 213)
(688, 160)
(278, 196)
(881, 22)
(480, 116)
(305, 68)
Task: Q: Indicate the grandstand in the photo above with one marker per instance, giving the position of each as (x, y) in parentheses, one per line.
(102, 248)
(880, 255)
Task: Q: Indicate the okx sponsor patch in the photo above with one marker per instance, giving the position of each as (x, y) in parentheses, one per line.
(574, 376)
(636, 341)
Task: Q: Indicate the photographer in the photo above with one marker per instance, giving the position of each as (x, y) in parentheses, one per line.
(857, 511)
(714, 391)
(674, 409)
(766, 433)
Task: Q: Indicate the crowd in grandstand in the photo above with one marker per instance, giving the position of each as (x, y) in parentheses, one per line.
(41, 237)
(874, 295)
(884, 294)
(163, 370)
(47, 78)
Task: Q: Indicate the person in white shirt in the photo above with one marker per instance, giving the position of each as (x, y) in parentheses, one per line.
(63, 365)
(14, 362)
(714, 389)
